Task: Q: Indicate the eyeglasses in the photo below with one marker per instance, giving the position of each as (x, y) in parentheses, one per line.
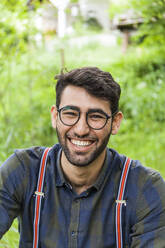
(95, 118)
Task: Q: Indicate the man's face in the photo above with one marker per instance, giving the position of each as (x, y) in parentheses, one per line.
(80, 143)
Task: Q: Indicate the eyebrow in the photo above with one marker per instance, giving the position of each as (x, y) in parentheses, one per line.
(98, 110)
(71, 107)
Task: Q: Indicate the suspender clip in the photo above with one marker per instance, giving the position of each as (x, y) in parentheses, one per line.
(121, 202)
(39, 193)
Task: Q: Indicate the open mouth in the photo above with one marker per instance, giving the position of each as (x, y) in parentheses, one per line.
(81, 143)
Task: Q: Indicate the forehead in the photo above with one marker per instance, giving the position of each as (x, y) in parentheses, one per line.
(79, 97)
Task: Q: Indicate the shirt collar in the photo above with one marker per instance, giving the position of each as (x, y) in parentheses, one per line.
(103, 172)
(60, 179)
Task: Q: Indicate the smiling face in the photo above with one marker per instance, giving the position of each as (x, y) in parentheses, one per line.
(80, 143)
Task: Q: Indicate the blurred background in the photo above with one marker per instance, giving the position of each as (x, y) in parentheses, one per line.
(39, 38)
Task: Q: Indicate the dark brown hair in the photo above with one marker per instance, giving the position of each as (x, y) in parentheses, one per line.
(95, 81)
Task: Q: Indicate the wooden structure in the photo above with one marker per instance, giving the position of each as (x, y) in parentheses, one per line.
(127, 23)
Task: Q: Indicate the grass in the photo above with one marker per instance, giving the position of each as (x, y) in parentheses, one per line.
(11, 238)
(145, 145)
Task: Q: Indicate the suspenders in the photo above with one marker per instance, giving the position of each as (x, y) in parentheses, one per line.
(39, 194)
(119, 203)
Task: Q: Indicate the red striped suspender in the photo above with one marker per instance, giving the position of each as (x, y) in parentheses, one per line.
(39, 194)
(120, 201)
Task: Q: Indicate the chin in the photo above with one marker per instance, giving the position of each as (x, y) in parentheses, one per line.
(81, 160)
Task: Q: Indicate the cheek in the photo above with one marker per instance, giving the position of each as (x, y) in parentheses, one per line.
(62, 129)
(104, 134)
(108, 129)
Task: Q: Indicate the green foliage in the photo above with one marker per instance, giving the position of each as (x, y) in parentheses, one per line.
(145, 81)
(118, 7)
(19, 82)
(146, 145)
(10, 240)
(25, 103)
(152, 13)
(13, 22)
(73, 1)
(92, 24)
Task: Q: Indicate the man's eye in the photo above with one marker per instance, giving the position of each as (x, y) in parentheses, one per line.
(70, 113)
(96, 116)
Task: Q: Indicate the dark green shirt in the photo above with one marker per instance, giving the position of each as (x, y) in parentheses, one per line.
(87, 220)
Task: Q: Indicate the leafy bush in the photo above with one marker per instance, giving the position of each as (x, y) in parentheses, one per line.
(142, 74)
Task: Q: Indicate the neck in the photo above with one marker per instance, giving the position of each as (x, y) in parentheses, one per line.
(82, 178)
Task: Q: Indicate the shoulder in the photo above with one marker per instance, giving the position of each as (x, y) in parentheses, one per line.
(138, 172)
(22, 165)
(146, 191)
(17, 166)
(146, 176)
(144, 184)
(145, 198)
(26, 158)
(29, 153)
(22, 157)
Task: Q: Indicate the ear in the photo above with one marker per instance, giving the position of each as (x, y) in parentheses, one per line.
(54, 114)
(116, 122)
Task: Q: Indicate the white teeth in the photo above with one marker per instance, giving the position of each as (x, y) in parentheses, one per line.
(81, 143)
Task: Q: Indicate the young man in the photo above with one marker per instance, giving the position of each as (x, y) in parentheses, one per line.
(87, 196)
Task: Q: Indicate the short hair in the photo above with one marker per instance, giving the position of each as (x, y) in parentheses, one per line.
(95, 81)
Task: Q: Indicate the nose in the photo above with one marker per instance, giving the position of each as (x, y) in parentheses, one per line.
(81, 128)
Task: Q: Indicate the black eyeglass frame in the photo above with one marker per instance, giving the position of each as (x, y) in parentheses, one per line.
(87, 113)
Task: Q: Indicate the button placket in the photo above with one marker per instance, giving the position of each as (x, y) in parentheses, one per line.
(74, 223)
